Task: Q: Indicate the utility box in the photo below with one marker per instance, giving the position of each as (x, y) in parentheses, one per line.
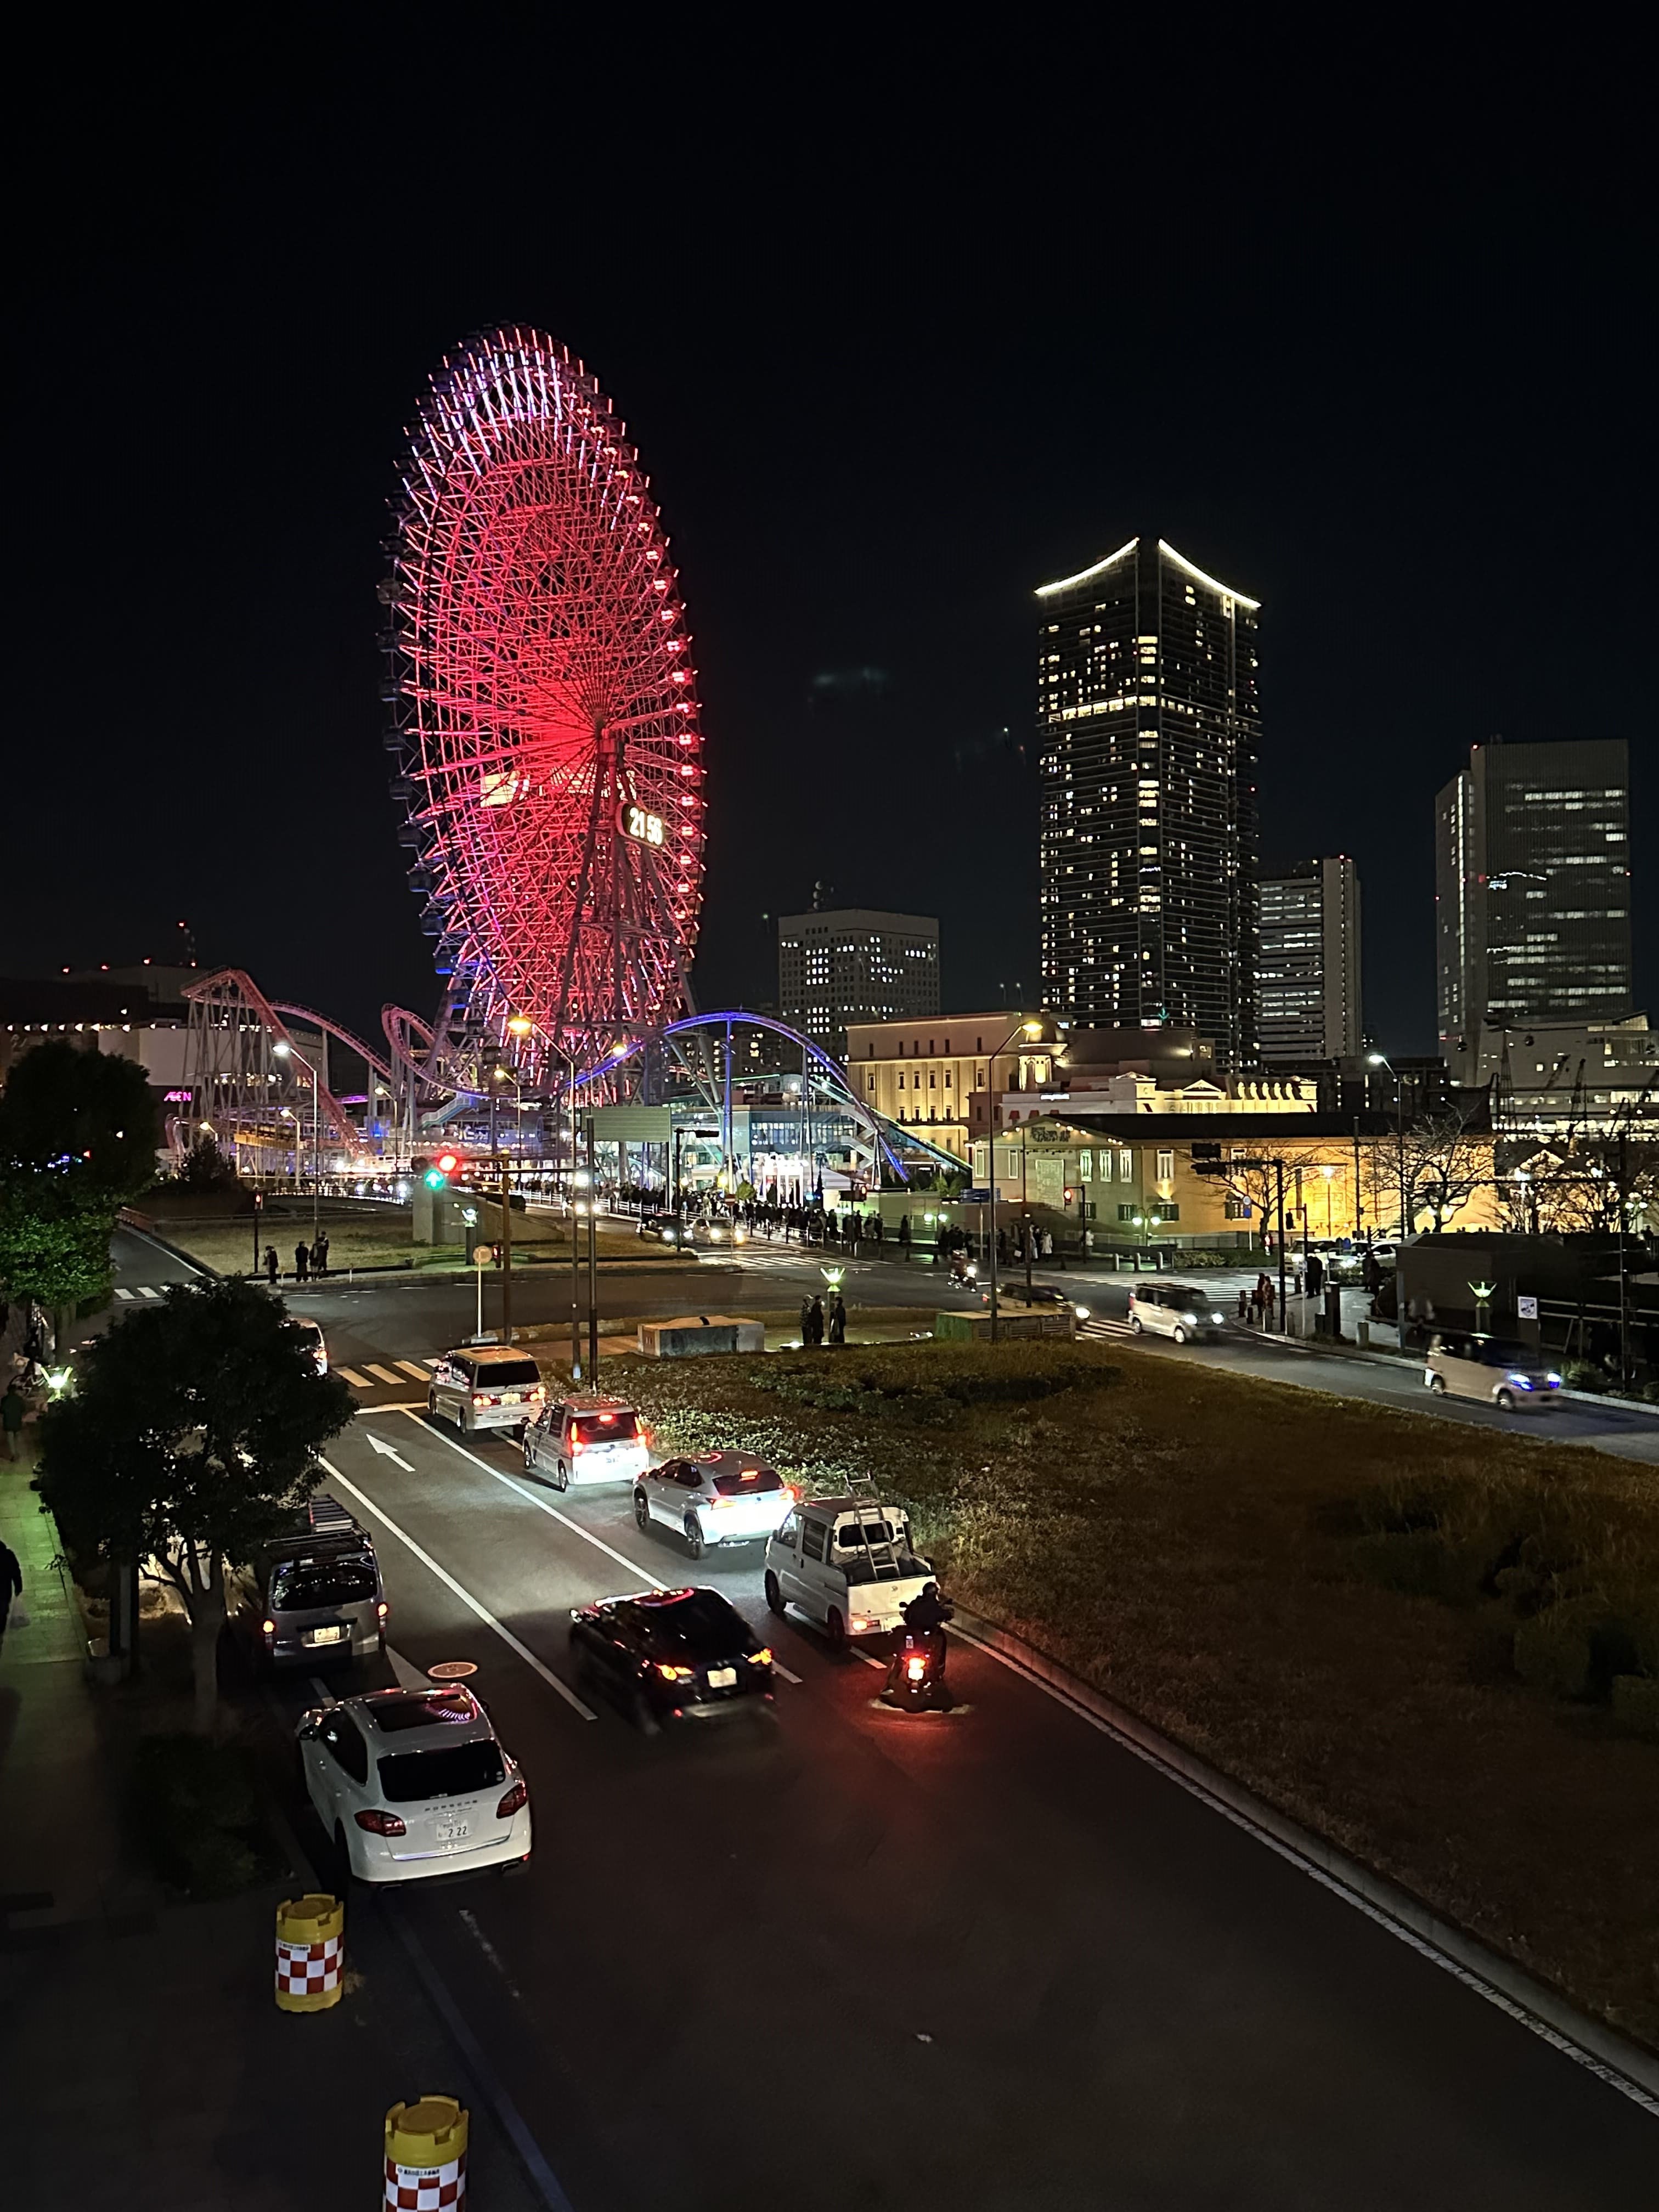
(976, 1328)
(693, 1335)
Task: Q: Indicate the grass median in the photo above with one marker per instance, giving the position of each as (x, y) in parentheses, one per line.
(1436, 1645)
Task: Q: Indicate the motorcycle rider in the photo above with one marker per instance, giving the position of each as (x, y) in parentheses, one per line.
(924, 1625)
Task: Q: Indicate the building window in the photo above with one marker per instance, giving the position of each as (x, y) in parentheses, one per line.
(1126, 1167)
(1126, 1213)
(1165, 1167)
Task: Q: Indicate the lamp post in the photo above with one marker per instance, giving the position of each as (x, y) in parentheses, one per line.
(1381, 1059)
(1021, 1029)
(521, 1026)
(284, 1050)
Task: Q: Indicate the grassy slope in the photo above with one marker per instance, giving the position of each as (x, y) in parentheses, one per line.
(1203, 1547)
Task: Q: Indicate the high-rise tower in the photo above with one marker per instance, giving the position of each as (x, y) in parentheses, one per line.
(1147, 737)
(1308, 963)
(1532, 892)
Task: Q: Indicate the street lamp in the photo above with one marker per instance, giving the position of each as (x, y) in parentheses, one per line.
(1381, 1059)
(1032, 1030)
(284, 1050)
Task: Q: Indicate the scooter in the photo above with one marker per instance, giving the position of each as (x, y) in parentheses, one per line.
(915, 1679)
(963, 1273)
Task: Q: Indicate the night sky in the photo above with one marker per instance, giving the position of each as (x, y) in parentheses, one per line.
(900, 335)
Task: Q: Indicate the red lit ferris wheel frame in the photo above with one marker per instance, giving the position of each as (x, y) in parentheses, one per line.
(545, 733)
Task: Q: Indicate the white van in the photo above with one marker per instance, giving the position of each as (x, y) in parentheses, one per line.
(1495, 1368)
(847, 1563)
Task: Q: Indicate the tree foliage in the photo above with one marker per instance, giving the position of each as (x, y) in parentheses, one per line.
(190, 1440)
(77, 1140)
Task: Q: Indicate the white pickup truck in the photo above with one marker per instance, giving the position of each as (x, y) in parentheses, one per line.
(847, 1563)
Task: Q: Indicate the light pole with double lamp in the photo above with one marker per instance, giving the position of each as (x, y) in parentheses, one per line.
(284, 1050)
(1032, 1030)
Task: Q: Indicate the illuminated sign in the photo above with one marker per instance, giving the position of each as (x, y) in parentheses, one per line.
(644, 828)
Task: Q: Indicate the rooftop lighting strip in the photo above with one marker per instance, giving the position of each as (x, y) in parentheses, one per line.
(1046, 590)
(1181, 562)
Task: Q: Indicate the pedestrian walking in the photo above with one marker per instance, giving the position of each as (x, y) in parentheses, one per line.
(1244, 1307)
(319, 1254)
(301, 1261)
(904, 1235)
(806, 1320)
(12, 1410)
(271, 1266)
(838, 1320)
(1315, 1274)
(11, 1584)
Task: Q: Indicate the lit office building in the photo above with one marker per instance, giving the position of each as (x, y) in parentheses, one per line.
(853, 963)
(1532, 893)
(1147, 738)
(1308, 967)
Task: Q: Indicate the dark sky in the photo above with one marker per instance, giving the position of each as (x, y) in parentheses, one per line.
(900, 335)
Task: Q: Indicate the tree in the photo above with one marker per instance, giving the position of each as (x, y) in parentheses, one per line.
(205, 1168)
(78, 1140)
(1443, 1161)
(190, 1440)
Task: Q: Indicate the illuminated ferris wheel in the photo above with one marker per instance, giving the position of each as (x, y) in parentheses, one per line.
(544, 714)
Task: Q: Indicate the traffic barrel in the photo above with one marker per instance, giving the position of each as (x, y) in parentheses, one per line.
(426, 2155)
(310, 1953)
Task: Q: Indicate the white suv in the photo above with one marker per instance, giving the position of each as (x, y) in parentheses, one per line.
(414, 1783)
(719, 1498)
(1175, 1310)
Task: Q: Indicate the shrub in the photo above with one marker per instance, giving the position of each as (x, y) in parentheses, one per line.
(197, 1814)
(1556, 1650)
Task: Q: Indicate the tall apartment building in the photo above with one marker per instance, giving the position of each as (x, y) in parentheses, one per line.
(1147, 740)
(1532, 892)
(1308, 967)
(853, 963)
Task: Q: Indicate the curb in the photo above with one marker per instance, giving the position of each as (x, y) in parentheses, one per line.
(1623, 2066)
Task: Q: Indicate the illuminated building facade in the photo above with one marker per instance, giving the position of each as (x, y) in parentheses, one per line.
(843, 965)
(1147, 740)
(1308, 967)
(1532, 893)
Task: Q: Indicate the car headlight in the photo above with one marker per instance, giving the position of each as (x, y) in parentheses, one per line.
(1554, 1382)
(1521, 1382)
(1191, 1320)
(1217, 1319)
(1082, 1312)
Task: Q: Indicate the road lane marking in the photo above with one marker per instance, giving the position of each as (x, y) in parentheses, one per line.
(410, 1676)
(576, 1528)
(384, 1374)
(466, 1596)
(880, 1665)
(324, 1693)
(417, 1374)
(389, 1451)
(358, 1382)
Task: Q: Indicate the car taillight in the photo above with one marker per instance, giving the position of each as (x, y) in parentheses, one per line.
(515, 1802)
(269, 1628)
(916, 1670)
(486, 1398)
(383, 1608)
(576, 1445)
(763, 1657)
(674, 1673)
(718, 1501)
(381, 1824)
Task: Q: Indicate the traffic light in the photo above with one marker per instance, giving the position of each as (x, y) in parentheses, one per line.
(446, 1165)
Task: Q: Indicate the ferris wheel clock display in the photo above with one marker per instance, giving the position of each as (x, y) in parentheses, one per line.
(543, 707)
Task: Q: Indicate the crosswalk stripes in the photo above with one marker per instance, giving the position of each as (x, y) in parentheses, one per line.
(122, 1294)
(410, 1367)
(1102, 1326)
(144, 1291)
(384, 1375)
(358, 1382)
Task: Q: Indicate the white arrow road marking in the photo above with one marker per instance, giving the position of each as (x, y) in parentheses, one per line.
(464, 1595)
(389, 1451)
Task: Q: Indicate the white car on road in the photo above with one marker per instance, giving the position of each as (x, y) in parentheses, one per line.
(414, 1783)
(1175, 1310)
(719, 1498)
(587, 1440)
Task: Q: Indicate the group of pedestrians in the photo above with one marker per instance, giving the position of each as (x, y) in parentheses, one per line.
(1256, 1307)
(814, 1320)
(309, 1260)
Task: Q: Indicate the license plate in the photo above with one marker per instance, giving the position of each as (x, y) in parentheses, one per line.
(325, 1635)
(510, 1398)
(721, 1678)
(452, 1832)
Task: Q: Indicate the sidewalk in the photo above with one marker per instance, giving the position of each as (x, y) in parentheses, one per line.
(146, 2061)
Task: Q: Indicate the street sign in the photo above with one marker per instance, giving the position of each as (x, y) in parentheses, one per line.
(1526, 1308)
(977, 1198)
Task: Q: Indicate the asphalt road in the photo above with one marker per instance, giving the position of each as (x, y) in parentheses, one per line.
(827, 1957)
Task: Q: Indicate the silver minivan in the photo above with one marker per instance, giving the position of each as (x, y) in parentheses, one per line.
(1495, 1368)
(1175, 1310)
(487, 1386)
